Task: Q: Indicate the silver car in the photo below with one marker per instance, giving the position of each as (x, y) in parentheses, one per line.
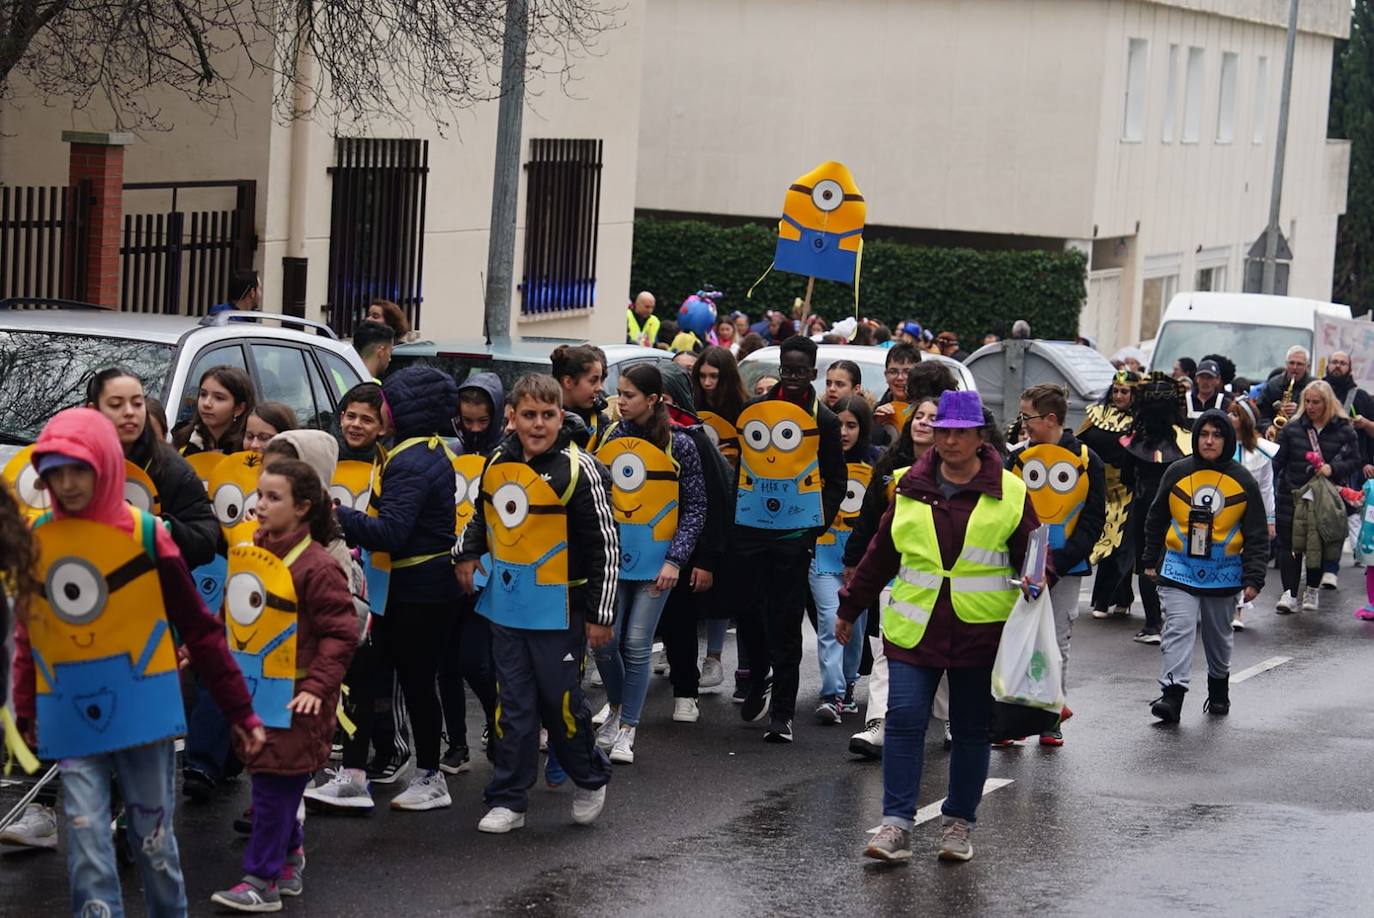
(47, 356)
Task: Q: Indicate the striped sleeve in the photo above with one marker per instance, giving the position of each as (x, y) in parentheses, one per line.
(593, 531)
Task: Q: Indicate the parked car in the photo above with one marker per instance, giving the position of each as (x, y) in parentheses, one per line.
(48, 353)
(514, 359)
(764, 362)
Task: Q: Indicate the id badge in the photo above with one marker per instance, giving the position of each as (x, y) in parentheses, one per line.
(1199, 534)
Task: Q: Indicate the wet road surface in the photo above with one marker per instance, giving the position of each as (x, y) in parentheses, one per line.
(1267, 811)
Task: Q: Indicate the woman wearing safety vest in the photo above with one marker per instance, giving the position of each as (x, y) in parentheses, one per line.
(954, 538)
(659, 500)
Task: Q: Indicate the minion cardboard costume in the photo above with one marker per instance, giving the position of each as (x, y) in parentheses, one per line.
(106, 669)
(779, 475)
(209, 577)
(830, 546)
(140, 491)
(645, 499)
(233, 493)
(1203, 542)
(467, 474)
(723, 434)
(260, 606)
(359, 485)
(1057, 480)
(22, 479)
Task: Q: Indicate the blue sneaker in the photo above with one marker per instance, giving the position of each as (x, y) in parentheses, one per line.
(554, 775)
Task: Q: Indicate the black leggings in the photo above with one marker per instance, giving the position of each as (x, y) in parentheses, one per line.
(1290, 565)
(467, 656)
(415, 639)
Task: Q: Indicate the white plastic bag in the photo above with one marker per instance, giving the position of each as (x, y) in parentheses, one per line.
(1027, 670)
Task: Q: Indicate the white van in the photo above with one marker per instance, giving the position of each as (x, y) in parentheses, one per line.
(1254, 330)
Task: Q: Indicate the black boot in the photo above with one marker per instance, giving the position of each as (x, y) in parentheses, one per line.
(1169, 705)
(1218, 696)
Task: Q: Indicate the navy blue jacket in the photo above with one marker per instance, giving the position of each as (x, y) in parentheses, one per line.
(416, 514)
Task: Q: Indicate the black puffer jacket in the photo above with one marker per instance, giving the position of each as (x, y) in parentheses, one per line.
(185, 504)
(1340, 448)
(416, 515)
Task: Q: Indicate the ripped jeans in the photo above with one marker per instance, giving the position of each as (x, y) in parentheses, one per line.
(146, 779)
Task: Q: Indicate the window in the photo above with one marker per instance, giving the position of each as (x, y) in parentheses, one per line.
(1192, 97)
(1261, 107)
(1158, 290)
(1213, 278)
(1170, 97)
(562, 211)
(1133, 127)
(284, 377)
(340, 371)
(376, 227)
(231, 356)
(1226, 99)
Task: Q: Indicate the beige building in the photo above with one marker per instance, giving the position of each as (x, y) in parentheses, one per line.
(347, 198)
(1139, 132)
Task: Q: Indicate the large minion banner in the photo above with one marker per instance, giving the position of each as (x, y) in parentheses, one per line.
(779, 471)
(1057, 481)
(260, 616)
(830, 546)
(359, 485)
(467, 479)
(106, 669)
(820, 234)
(527, 535)
(644, 498)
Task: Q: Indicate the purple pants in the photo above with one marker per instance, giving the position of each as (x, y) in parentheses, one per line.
(276, 831)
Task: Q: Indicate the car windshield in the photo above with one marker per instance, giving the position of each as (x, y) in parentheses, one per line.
(1256, 350)
(43, 372)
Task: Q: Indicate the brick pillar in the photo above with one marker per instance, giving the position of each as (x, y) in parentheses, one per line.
(97, 157)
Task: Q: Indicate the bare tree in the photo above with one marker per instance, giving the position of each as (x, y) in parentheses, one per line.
(354, 59)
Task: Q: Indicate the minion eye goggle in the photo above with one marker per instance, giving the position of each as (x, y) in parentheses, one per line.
(77, 591)
(827, 195)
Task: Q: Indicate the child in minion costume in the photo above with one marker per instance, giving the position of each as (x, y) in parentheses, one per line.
(544, 514)
(1068, 488)
(1206, 539)
(96, 663)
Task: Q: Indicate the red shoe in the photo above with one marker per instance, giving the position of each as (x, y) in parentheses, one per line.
(1005, 743)
(1065, 714)
(1052, 738)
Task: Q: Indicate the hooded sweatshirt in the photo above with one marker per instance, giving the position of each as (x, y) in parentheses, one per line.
(87, 435)
(320, 451)
(1194, 482)
(482, 443)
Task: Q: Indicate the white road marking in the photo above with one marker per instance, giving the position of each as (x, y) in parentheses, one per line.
(1261, 667)
(932, 810)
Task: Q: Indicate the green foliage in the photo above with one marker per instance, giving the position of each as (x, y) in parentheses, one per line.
(1352, 117)
(963, 290)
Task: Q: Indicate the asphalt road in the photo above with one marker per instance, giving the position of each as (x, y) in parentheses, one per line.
(1267, 811)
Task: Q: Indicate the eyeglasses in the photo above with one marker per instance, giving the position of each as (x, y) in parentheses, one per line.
(1023, 418)
(256, 439)
(897, 371)
(794, 372)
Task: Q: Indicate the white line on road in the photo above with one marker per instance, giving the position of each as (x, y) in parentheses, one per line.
(1261, 667)
(931, 810)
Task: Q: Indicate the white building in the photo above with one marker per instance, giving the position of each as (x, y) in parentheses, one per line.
(1139, 132)
(346, 199)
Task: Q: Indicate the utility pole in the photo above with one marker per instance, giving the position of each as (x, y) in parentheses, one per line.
(1271, 232)
(505, 190)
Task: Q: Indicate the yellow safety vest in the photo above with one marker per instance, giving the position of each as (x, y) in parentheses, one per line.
(646, 334)
(980, 581)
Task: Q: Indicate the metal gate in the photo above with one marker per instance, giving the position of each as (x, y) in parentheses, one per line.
(178, 260)
(43, 234)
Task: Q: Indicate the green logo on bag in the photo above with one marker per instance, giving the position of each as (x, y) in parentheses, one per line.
(1036, 669)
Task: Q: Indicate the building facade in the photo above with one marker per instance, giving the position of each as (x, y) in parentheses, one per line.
(1141, 133)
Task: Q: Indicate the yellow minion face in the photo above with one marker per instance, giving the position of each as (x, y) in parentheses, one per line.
(99, 597)
(860, 477)
(526, 523)
(1057, 481)
(467, 475)
(723, 434)
(779, 440)
(900, 412)
(352, 484)
(23, 482)
(260, 602)
(204, 465)
(825, 200)
(644, 484)
(140, 491)
(234, 495)
(1217, 493)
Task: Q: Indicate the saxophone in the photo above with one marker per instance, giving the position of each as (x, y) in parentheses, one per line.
(1280, 419)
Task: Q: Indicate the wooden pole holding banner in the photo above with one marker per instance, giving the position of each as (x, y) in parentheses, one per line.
(806, 300)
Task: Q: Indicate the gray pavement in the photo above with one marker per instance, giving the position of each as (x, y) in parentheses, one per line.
(1267, 811)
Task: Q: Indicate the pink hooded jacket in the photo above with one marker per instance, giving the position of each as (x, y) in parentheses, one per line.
(86, 434)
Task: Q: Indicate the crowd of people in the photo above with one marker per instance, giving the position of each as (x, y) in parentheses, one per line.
(313, 607)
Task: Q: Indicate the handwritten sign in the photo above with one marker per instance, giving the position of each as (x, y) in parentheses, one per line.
(1353, 336)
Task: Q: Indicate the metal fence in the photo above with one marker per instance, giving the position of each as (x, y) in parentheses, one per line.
(562, 212)
(376, 227)
(42, 241)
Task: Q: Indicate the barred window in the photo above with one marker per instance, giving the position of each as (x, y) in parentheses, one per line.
(562, 210)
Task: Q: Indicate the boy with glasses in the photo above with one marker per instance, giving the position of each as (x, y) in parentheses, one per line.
(887, 416)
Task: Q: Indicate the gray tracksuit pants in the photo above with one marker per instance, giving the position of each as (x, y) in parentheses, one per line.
(1064, 600)
(1184, 615)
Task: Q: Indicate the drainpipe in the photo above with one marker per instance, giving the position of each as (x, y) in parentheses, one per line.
(302, 104)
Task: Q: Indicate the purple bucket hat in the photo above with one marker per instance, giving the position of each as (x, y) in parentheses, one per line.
(959, 409)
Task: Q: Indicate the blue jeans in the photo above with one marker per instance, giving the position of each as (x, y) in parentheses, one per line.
(911, 689)
(208, 746)
(839, 662)
(146, 779)
(624, 662)
(715, 635)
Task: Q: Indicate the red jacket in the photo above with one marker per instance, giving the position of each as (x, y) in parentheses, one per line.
(948, 641)
(326, 636)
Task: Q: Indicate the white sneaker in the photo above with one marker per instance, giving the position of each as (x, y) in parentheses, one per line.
(660, 662)
(601, 716)
(1100, 613)
(1286, 603)
(868, 742)
(623, 750)
(588, 804)
(593, 671)
(500, 820)
(686, 710)
(427, 791)
(36, 828)
(1121, 611)
(712, 673)
(1329, 581)
(607, 732)
(1311, 599)
(343, 791)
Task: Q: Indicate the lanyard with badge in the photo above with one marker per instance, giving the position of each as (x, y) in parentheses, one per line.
(1200, 519)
